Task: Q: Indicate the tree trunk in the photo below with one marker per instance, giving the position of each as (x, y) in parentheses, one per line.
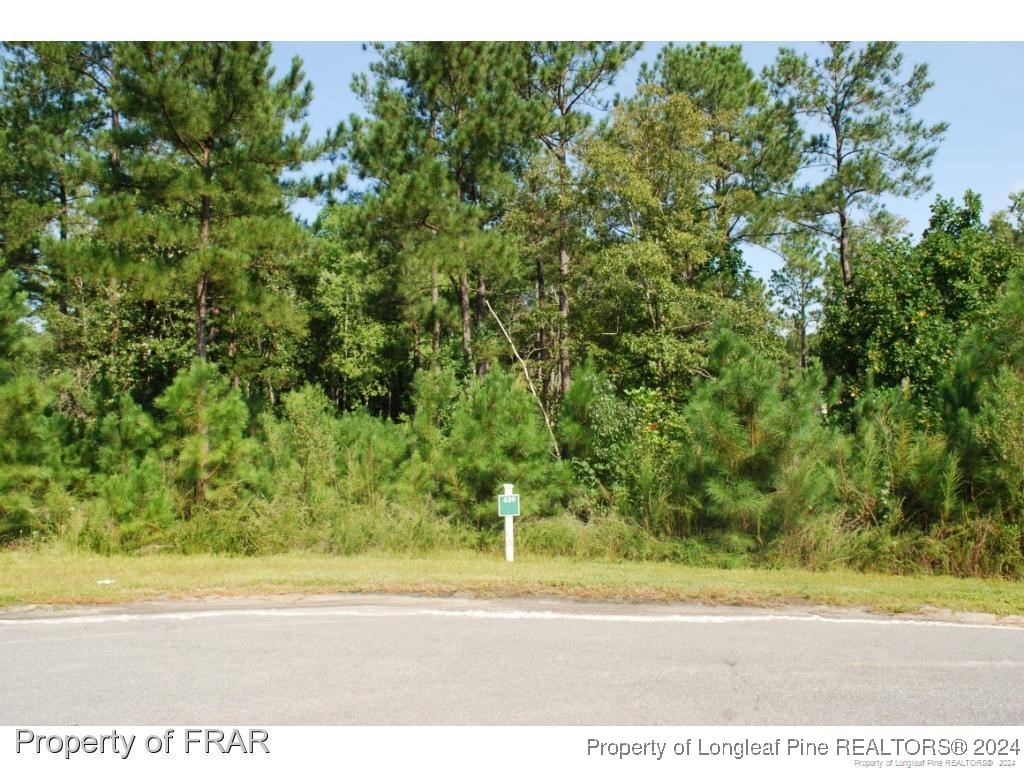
(844, 246)
(803, 340)
(844, 226)
(564, 367)
(435, 341)
(483, 365)
(233, 351)
(467, 333)
(415, 345)
(201, 291)
(202, 286)
(64, 231)
(542, 352)
(115, 153)
(564, 363)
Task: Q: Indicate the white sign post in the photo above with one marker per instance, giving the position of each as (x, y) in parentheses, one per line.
(508, 507)
(510, 547)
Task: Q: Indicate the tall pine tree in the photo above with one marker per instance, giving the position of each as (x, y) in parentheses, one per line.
(566, 83)
(446, 133)
(864, 134)
(201, 208)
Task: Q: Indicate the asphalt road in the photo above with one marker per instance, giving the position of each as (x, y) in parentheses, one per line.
(409, 661)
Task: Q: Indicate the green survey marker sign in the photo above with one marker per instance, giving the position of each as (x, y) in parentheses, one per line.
(508, 505)
(508, 508)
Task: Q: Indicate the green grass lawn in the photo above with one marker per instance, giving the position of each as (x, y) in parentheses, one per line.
(52, 578)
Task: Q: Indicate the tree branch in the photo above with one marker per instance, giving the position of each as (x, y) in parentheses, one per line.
(526, 372)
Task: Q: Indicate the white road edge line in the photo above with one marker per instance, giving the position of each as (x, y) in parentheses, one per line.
(485, 614)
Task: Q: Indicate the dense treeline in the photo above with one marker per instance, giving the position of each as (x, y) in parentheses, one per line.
(526, 280)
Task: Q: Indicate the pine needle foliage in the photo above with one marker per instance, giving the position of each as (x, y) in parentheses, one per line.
(497, 436)
(754, 452)
(27, 449)
(204, 437)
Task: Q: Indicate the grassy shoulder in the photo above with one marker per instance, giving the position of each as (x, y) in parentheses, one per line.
(54, 578)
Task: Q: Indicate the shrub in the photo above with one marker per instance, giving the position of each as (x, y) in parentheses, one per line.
(498, 436)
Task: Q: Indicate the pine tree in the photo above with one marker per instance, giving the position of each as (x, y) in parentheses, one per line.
(864, 135)
(128, 479)
(447, 130)
(58, 115)
(205, 435)
(980, 399)
(53, 114)
(565, 82)
(497, 436)
(27, 453)
(200, 210)
(301, 447)
(755, 454)
(798, 288)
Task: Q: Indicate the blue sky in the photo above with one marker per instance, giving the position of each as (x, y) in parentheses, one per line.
(979, 91)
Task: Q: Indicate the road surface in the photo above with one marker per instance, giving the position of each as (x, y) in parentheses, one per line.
(395, 660)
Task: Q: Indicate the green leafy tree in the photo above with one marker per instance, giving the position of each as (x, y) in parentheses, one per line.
(358, 347)
(864, 137)
(1008, 224)
(647, 299)
(594, 427)
(752, 141)
(901, 321)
